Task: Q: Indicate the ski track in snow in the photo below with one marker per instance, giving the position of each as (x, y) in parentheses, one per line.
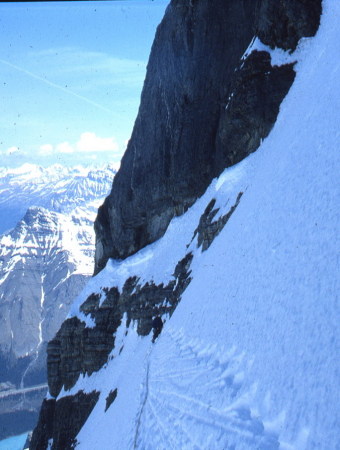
(215, 414)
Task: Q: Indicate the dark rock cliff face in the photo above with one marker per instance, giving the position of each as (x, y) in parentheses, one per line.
(203, 108)
(62, 420)
(186, 132)
(282, 23)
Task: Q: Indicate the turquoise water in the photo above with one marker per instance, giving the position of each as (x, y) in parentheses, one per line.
(13, 443)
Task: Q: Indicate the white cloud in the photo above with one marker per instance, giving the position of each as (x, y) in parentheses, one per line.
(64, 147)
(46, 150)
(90, 142)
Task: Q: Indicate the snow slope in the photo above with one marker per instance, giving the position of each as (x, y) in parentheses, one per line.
(249, 358)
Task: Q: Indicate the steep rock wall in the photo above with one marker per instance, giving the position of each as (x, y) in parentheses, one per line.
(185, 134)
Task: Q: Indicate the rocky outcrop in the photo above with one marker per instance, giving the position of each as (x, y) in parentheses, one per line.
(61, 421)
(202, 109)
(78, 349)
(282, 23)
(110, 399)
(208, 228)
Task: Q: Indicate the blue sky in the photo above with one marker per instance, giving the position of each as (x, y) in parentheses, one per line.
(71, 75)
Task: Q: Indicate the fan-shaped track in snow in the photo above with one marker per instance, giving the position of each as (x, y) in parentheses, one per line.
(215, 414)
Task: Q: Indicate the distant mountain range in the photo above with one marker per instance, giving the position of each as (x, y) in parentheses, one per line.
(46, 258)
(57, 188)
